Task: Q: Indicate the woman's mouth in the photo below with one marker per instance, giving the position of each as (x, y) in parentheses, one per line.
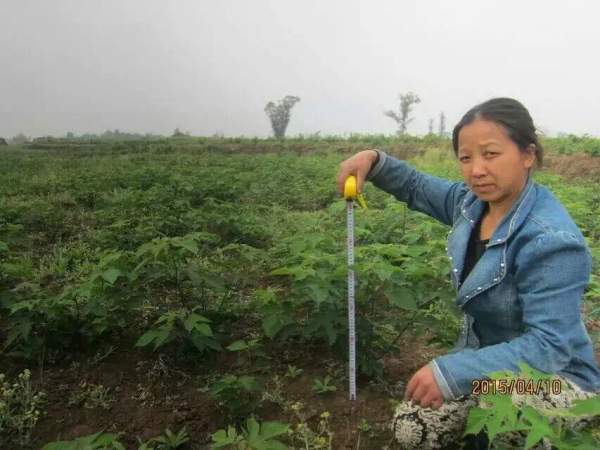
(483, 187)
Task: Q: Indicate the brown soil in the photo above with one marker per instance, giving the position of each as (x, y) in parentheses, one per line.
(577, 166)
(151, 392)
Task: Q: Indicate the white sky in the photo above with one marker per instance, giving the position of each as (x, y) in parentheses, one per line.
(211, 66)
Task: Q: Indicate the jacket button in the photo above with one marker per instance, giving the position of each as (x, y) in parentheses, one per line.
(495, 279)
(450, 257)
(455, 270)
(478, 288)
(501, 264)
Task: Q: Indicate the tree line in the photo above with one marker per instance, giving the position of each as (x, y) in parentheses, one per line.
(279, 114)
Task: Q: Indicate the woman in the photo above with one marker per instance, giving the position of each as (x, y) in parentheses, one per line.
(519, 264)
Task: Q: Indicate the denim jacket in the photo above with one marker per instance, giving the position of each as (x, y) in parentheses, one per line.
(526, 290)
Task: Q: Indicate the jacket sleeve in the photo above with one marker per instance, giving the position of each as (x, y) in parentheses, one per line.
(550, 277)
(428, 194)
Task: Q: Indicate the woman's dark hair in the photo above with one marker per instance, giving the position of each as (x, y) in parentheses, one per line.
(512, 116)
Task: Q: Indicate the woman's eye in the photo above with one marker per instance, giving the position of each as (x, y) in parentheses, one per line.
(490, 154)
(463, 158)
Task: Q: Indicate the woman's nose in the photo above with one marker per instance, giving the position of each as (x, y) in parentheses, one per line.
(478, 168)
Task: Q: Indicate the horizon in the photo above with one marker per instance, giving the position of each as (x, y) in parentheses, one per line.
(210, 68)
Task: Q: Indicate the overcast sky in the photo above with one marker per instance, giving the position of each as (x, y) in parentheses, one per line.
(211, 66)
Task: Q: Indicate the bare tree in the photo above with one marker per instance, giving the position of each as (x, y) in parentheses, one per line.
(179, 133)
(430, 126)
(442, 124)
(406, 102)
(279, 114)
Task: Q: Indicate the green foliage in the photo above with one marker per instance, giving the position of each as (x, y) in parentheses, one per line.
(192, 243)
(248, 351)
(293, 372)
(254, 436)
(181, 326)
(20, 409)
(499, 413)
(91, 396)
(96, 441)
(237, 395)
(167, 441)
(322, 386)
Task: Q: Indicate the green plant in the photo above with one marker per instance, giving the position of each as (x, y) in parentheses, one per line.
(498, 414)
(254, 436)
(309, 439)
(91, 396)
(96, 441)
(181, 325)
(293, 371)
(237, 395)
(167, 441)
(322, 387)
(20, 408)
(251, 349)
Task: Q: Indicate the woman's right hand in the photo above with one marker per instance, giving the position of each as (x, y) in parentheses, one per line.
(358, 165)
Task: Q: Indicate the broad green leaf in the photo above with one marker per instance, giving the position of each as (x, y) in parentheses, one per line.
(248, 382)
(252, 427)
(272, 429)
(194, 321)
(188, 244)
(146, 338)
(401, 297)
(111, 275)
(204, 329)
(273, 324)
(476, 420)
(534, 436)
(237, 346)
(589, 406)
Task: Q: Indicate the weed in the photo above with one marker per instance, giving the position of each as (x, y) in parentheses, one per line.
(293, 372)
(322, 387)
(167, 441)
(91, 396)
(20, 408)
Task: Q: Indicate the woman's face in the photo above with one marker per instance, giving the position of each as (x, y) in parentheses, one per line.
(491, 163)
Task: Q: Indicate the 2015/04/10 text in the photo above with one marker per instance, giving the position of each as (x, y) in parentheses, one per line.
(519, 386)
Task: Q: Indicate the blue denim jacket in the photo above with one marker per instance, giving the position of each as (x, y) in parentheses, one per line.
(526, 290)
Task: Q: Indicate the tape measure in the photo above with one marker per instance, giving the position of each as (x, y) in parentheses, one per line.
(350, 194)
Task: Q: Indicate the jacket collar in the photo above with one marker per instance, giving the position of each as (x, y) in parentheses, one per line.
(472, 209)
(492, 267)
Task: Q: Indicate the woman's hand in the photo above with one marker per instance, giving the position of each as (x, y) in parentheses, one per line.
(358, 165)
(422, 388)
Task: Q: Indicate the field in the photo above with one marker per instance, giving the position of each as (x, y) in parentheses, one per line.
(196, 282)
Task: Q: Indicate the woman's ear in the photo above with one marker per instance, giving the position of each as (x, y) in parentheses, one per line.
(529, 156)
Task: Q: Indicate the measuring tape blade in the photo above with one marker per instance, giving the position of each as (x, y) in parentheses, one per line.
(351, 305)
(350, 194)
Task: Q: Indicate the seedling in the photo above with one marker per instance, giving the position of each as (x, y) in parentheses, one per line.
(322, 387)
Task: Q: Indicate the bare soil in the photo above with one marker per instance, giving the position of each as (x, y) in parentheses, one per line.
(150, 392)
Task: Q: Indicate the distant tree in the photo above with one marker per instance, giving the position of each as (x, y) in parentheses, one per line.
(402, 117)
(430, 126)
(442, 124)
(70, 135)
(20, 139)
(3, 141)
(179, 133)
(279, 114)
